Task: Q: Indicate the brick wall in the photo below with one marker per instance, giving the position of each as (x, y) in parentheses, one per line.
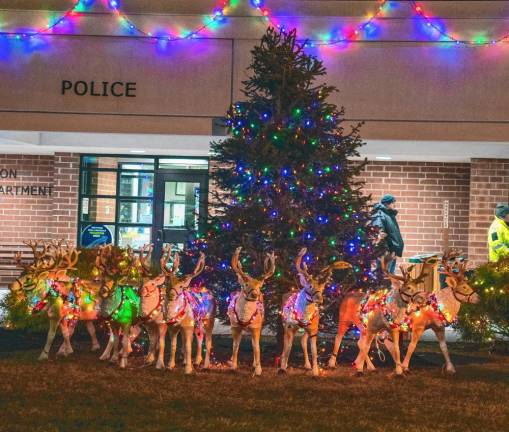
(65, 196)
(420, 189)
(36, 213)
(489, 185)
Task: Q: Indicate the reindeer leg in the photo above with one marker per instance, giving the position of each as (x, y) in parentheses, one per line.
(134, 332)
(188, 348)
(364, 344)
(161, 331)
(91, 331)
(116, 343)
(236, 336)
(440, 332)
(126, 342)
(255, 341)
(209, 327)
(152, 339)
(314, 351)
(287, 347)
(199, 344)
(396, 353)
(304, 344)
(416, 336)
(111, 341)
(53, 325)
(66, 333)
(173, 334)
(342, 329)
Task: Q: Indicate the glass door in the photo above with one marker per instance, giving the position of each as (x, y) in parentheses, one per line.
(180, 207)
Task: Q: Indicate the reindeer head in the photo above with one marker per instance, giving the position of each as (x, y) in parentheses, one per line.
(116, 266)
(457, 281)
(251, 287)
(407, 286)
(175, 284)
(52, 262)
(314, 285)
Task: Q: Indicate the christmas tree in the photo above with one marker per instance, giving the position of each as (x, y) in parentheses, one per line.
(283, 180)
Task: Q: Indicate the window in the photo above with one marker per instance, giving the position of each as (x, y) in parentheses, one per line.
(116, 203)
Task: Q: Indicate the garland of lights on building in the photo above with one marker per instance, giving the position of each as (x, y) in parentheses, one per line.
(222, 8)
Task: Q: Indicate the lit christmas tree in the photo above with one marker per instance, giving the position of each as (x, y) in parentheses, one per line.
(283, 180)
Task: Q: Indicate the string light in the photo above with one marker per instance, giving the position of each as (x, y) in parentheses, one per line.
(220, 11)
(365, 26)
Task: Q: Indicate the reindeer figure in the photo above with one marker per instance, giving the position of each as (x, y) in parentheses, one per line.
(301, 310)
(46, 284)
(245, 309)
(120, 302)
(441, 309)
(349, 312)
(386, 310)
(153, 294)
(187, 311)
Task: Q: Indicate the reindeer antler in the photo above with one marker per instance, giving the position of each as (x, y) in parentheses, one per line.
(164, 261)
(336, 265)
(302, 268)
(269, 265)
(236, 265)
(200, 265)
(383, 265)
(18, 259)
(144, 258)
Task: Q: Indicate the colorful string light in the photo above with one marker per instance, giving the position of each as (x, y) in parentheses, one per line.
(353, 34)
(217, 16)
(221, 9)
(78, 7)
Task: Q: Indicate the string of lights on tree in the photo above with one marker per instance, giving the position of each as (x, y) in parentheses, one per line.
(364, 30)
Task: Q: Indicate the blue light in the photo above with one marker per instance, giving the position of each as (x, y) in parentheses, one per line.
(257, 3)
(113, 4)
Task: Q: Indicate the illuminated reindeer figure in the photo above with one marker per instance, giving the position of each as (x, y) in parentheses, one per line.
(301, 310)
(245, 309)
(47, 285)
(350, 307)
(120, 302)
(441, 309)
(385, 310)
(153, 296)
(187, 311)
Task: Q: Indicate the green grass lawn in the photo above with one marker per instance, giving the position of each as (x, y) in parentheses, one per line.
(83, 394)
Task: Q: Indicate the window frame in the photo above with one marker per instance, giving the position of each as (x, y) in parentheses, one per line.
(117, 197)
